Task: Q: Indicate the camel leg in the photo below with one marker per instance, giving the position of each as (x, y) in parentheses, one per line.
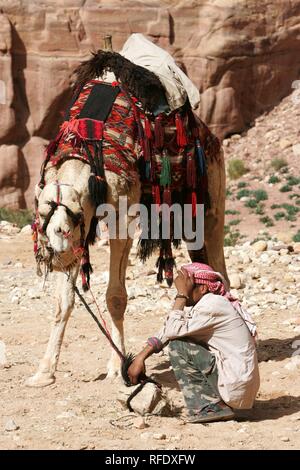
(65, 302)
(213, 251)
(116, 298)
(214, 243)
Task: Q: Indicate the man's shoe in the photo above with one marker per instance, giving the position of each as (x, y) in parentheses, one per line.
(211, 413)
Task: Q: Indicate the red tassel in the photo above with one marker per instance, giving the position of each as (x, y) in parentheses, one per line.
(148, 130)
(191, 172)
(158, 133)
(153, 170)
(146, 149)
(156, 195)
(181, 135)
(195, 132)
(194, 204)
(167, 197)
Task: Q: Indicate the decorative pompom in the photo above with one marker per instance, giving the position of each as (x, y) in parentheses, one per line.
(165, 175)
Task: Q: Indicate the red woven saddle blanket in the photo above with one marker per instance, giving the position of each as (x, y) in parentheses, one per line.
(86, 124)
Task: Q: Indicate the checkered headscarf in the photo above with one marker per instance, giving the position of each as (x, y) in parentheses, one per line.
(204, 274)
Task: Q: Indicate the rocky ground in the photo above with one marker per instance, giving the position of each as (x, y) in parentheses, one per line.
(266, 200)
(82, 409)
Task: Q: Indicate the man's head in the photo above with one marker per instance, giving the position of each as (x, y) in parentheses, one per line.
(203, 279)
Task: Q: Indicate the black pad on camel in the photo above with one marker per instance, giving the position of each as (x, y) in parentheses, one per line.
(100, 101)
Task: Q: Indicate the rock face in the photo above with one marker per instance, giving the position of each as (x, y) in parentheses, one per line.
(242, 54)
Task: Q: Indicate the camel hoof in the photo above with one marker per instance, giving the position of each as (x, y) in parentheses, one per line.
(40, 380)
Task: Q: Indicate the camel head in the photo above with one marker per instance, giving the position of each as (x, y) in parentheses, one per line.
(60, 220)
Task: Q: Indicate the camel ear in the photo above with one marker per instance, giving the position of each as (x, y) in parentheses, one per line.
(37, 191)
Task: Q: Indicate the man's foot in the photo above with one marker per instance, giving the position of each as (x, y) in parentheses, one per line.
(212, 412)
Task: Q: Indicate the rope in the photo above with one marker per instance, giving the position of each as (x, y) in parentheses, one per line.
(103, 330)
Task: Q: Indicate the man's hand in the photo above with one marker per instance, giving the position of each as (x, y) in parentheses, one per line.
(183, 283)
(136, 369)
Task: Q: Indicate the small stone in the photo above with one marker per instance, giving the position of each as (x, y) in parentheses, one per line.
(159, 436)
(285, 143)
(288, 277)
(291, 301)
(285, 237)
(260, 246)
(26, 230)
(146, 436)
(235, 281)
(285, 439)
(15, 299)
(139, 423)
(149, 400)
(19, 265)
(293, 364)
(11, 425)
(66, 415)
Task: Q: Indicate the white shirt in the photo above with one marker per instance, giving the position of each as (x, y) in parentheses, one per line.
(215, 322)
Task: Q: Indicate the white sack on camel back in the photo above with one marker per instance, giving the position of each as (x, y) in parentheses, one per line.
(129, 131)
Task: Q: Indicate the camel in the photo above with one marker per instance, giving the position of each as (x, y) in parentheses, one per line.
(67, 184)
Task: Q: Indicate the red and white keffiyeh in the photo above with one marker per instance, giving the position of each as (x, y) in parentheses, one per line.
(204, 274)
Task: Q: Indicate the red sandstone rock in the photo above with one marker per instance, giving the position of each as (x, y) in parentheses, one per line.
(243, 55)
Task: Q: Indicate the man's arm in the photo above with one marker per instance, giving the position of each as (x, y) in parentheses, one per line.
(184, 286)
(138, 365)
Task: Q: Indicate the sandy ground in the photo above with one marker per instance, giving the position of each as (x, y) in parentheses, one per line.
(81, 410)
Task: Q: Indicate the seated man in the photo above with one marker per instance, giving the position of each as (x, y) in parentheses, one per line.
(211, 347)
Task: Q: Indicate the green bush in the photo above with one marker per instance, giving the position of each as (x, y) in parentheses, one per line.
(260, 209)
(232, 238)
(236, 169)
(243, 193)
(242, 184)
(292, 180)
(267, 221)
(275, 206)
(274, 179)
(19, 218)
(296, 238)
(286, 188)
(278, 163)
(279, 215)
(290, 208)
(260, 195)
(252, 203)
(234, 222)
(228, 193)
(231, 212)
